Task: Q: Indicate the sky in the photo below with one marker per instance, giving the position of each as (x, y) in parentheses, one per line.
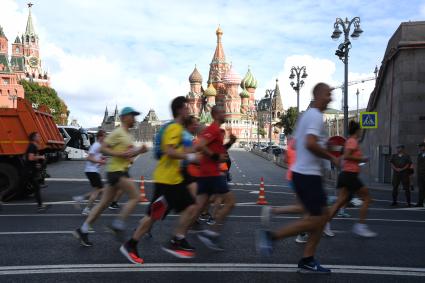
(140, 53)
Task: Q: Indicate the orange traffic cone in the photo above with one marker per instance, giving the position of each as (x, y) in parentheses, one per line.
(142, 191)
(262, 196)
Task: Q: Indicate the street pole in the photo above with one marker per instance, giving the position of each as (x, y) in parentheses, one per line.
(270, 92)
(358, 116)
(342, 53)
(296, 72)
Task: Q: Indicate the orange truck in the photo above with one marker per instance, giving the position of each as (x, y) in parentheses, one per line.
(15, 126)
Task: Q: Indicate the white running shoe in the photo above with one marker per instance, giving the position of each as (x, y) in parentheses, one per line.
(328, 231)
(266, 215)
(86, 211)
(363, 230)
(302, 238)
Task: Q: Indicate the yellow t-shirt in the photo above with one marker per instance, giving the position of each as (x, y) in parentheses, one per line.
(119, 140)
(167, 170)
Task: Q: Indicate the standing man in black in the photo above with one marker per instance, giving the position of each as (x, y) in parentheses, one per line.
(33, 164)
(421, 174)
(400, 163)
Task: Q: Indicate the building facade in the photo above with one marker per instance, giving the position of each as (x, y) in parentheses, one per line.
(24, 64)
(399, 99)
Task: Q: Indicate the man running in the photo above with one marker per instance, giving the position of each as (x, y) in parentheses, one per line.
(119, 145)
(212, 180)
(349, 182)
(92, 170)
(307, 170)
(171, 192)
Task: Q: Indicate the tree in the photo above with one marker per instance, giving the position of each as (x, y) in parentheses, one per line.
(43, 95)
(288, 120)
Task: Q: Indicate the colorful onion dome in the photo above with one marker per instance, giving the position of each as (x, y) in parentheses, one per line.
(195, 77)
(244, 93)
(210, 91)
(249, 81)
(231, 77)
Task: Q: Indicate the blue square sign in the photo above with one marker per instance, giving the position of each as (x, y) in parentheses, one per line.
(368, 120)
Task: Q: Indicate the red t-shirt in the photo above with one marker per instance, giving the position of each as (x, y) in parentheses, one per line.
(352, 166)
(214, 137)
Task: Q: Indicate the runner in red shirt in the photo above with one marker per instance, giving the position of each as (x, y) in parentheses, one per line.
(212, 180)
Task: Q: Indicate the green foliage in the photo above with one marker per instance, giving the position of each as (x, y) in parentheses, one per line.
(43, 95)
(288, 120)
(261, 132)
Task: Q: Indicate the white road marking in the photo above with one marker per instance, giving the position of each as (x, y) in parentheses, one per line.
(202, 267)
(254, 192)
(230, 216)
(244, 176)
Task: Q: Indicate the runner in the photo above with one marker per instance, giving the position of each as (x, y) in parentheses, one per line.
(349, 182)
(33, 164)
(171, 192)
(92, 170)
(119, 145)
(212, 180)
(309, 137)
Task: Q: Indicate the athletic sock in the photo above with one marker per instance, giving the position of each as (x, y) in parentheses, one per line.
(132, 243)
(85, 227)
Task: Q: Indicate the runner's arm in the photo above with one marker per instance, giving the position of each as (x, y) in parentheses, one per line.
(313, 145)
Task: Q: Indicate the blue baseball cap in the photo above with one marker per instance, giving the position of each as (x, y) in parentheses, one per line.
(129, 111)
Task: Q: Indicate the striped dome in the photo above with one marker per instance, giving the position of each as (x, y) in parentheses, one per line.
(232, 77)
(249, 81)
(244, 93)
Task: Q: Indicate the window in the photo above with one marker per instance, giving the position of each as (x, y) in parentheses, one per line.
(17, 49)
(6, 81)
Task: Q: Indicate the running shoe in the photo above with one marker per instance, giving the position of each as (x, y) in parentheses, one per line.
(204, 217)
(91, 230)
(363, 230)
(158, 208)
(179, 248)
(211, 241)
(312, 267)
(266, 215)
(131, 253)
(118, 233)
(86, 211)
(328, 231)
(210, 220)
(342, 213)
(264, 243)
(302, 238)
(83, 237)
(114, 205)
(43, 207)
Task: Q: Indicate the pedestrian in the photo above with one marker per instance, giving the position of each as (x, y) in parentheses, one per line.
(33, 165)
(118, 145)
(213, 182)
(306, 173)
(400, 163)
(420, 171)
(349, 182)
(170, 190)
(95, 160)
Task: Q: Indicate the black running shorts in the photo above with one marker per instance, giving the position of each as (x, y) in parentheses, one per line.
(177, 196)
(310, 192)
(188, 179)
(114, 177)
(213, 185)
(349, 180)
(95, 179)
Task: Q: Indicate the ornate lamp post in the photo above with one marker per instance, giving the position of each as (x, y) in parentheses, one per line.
(342, 53)
(296, 72)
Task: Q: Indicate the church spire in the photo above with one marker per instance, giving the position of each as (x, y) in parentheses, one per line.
(30, 27)
(219, 56)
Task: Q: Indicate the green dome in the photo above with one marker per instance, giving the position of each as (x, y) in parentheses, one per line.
(210, 91)
(249, 81)
(244, 93)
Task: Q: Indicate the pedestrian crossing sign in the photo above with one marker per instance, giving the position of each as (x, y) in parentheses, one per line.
(368, 120)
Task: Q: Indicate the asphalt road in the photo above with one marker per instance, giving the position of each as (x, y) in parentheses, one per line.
(39, 247)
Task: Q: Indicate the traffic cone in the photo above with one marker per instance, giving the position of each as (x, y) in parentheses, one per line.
(142, 191)
(262, 195)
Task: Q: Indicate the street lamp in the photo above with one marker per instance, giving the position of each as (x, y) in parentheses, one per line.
(270, 93)
(296, 71)
(342, 53)
(249, 113)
